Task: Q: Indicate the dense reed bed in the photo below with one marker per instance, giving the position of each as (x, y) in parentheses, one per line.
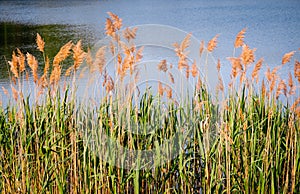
(247, 141)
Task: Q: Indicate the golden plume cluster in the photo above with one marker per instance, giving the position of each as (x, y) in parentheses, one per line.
(239, 40)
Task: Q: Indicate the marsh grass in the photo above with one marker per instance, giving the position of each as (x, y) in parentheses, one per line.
(245, 142)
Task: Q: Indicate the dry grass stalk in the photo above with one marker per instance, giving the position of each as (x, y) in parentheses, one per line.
(247, 55)
(171, 77)
(162, 66)
(256, 70)
(201, 48)
(297, 70)
(40, 43)
(63, 53)
(194, 69)
(239, 40)
(33, 64)
(287, 57)
(212, 44)
(129, 34)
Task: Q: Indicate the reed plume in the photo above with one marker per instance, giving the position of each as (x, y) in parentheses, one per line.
(199, 83)
(219, 65)
(160, 89)
(236, 66)
(171, 77)
(181, 52)
(55, 75)
(287, 57)
(129, 34)
(281, 89)
(194, 69)
(139, 54)
(14, 65)
(239, 40)
(109, 27)
(186, 42)
(201, 49)
(78, 56)
(187, 72)
(21, 61)
(162, 66)
(291, 85)
(212, 44)
(169, 92)
(15, 93)
(63, 53)
(295, 107)
(108, 83)
(247, 55)
(220, 85)
(256, 70)
(297, 70)
(100, 60)
(40, 43)
(117, 22)
(263, 89)
(33, 64)
(5, 91)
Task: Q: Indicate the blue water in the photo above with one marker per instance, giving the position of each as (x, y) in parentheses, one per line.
(273, 26)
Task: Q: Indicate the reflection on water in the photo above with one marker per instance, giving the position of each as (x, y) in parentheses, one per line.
(23, 36)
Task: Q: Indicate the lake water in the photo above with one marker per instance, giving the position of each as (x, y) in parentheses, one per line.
(273, 26)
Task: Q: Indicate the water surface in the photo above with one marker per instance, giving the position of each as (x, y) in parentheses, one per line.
(272, 25)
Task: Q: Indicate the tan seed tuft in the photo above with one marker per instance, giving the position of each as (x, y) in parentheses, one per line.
(212, 44)
(287, 57)
(239, 40)
(40, 43)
